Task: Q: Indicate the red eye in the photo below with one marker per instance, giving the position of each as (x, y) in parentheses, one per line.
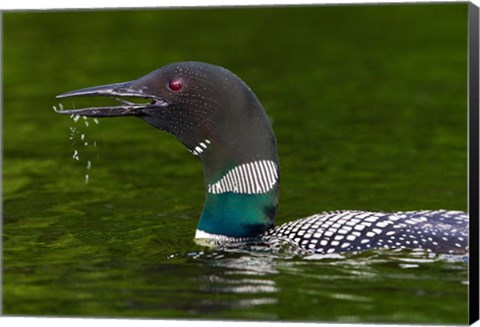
(175, 84)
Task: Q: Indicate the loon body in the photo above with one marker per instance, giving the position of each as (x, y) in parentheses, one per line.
(221, 121)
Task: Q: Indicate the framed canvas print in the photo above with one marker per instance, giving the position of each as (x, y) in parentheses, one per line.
(144, 150)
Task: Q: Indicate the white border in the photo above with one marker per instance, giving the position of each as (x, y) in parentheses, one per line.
(88, 4)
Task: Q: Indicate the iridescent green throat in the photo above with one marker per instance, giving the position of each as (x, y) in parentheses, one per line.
(242, 202)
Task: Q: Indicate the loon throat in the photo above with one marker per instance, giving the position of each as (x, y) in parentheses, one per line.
(221, 122)
(257, 177)
(242, 202)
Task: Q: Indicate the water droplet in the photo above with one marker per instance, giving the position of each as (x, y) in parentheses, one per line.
(89, 164)
(96, 121)
(82, 137)
(86, 179)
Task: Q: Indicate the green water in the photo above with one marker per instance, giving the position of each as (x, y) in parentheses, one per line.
(369, 106)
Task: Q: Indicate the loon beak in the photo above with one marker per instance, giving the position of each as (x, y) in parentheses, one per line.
(116, 91)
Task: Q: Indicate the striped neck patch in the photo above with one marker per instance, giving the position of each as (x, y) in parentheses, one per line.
(202, 146)
(257, 177)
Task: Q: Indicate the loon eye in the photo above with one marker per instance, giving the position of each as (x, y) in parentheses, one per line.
(175, 84)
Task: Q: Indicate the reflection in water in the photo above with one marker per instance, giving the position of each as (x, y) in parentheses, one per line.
(238, 281)
(250, 284)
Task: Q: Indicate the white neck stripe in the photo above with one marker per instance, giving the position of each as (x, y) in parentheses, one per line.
(257, 177)
(200, 147)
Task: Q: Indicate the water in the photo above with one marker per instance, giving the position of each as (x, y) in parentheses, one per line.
(369, 108)
(79, 140)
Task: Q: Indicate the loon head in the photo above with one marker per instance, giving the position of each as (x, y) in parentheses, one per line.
(219, 119)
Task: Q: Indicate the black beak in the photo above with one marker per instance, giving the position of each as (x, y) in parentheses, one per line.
(116, 91)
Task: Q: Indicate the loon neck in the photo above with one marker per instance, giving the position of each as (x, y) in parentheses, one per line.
(243, 202)
(242, 183)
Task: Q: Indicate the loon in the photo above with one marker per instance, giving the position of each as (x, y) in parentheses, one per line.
(220, 120)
